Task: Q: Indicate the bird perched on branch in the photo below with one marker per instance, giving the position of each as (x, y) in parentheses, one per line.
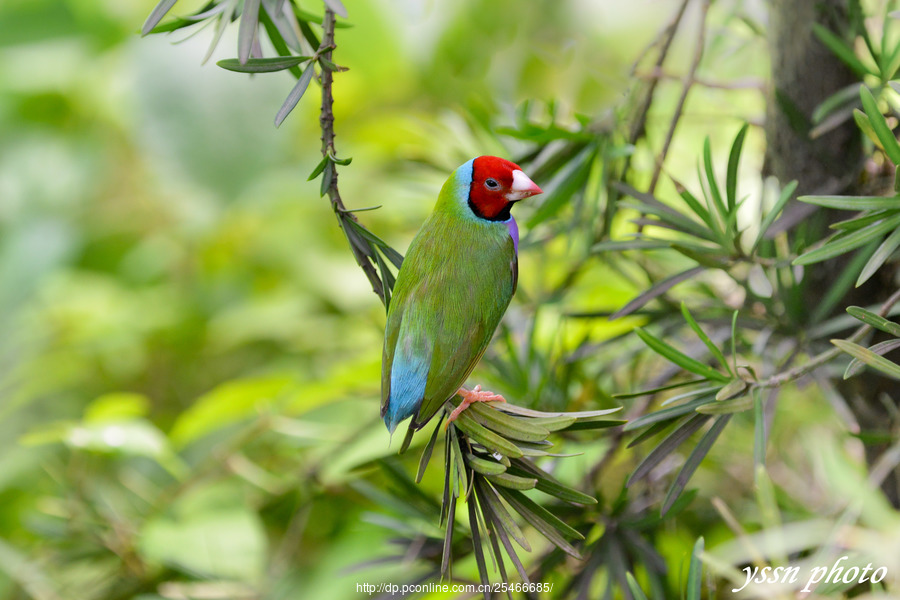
(454, 285)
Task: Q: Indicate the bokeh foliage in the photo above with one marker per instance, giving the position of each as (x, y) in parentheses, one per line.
(191, 359)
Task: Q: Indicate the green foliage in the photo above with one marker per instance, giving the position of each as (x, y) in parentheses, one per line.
(191, 363)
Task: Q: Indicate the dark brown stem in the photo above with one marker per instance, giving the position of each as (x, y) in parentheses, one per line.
(326, 122)
(689, 80)
(665, 41)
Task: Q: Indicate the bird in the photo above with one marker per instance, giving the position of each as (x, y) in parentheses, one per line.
(452, 289)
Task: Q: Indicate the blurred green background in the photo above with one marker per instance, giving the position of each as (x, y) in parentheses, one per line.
(189, 357)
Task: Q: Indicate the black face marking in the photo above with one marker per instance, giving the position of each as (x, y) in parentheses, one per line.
(503, 215)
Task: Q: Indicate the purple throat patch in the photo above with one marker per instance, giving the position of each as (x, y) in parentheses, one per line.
(513, 232)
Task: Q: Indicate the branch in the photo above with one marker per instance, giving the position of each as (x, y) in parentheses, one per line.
(326, 120)
(689, 80)
(819, 360)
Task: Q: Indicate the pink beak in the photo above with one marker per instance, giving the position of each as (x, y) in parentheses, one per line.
(522, 187)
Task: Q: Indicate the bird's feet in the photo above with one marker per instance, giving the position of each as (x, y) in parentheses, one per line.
(470, 396)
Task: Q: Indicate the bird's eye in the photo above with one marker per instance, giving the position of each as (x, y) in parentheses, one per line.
(491, 184)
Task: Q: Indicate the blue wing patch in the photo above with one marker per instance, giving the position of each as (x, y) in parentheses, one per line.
(409, 374)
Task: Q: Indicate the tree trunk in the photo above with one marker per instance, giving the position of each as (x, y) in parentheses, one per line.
(804, 73)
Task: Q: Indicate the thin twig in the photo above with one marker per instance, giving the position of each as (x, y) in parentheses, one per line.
(665, 39)
(819, 360)
(747, 83)
(688, 82)
(326, 121)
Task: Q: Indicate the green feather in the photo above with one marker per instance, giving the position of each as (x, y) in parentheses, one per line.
(455, 284)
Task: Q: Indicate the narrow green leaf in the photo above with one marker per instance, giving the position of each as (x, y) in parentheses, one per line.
(429, 448)
(262, 65)
(855, 223)
(156, 15)
(875, 320)
(575, 180)
(543, 520)
(853, 202)
(841, 98)
(711, 180)
(708, 390)
(865, 125)
(879, 363)
(387, 279)
(698, 208)
(783, 198)
(734, 388)
(726, 407)
(392, 255)
(479, 550)
(308, 34)
(842, 245)
(884, 252)
(650, 432)
(282, 36)
(550, 485)
(876, 119)
(695, 571)
(513, 482)
(676, 220)
(653, 391)
(248, 29)
(506, 425)
(734, 160)
(486, 437)
(488, 496)
(696, 457)
(842, 50)
(713, 348)
(760, 435)
(327, 178)
(496, 532)
(667, 414)
(529, 412)
(635, 244)
(594, 423)
(461, 475)
(337, 7)
(711, 259)
(657, 289)
(892, 64)
(552, 424)
(682, 360)
(295, 95)
(484, 466)
(501, 533)
(222, 21)
(636, 591)
(448, 469)
(880, 349)
(319, 168)
(172, 25)
(667, 446)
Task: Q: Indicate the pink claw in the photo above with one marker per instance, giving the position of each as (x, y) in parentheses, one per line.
(468, 397)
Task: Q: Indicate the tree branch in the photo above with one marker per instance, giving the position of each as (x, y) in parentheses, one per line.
(326, 122)
(820, 359)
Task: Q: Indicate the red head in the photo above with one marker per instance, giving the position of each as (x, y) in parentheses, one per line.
(496, 185)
